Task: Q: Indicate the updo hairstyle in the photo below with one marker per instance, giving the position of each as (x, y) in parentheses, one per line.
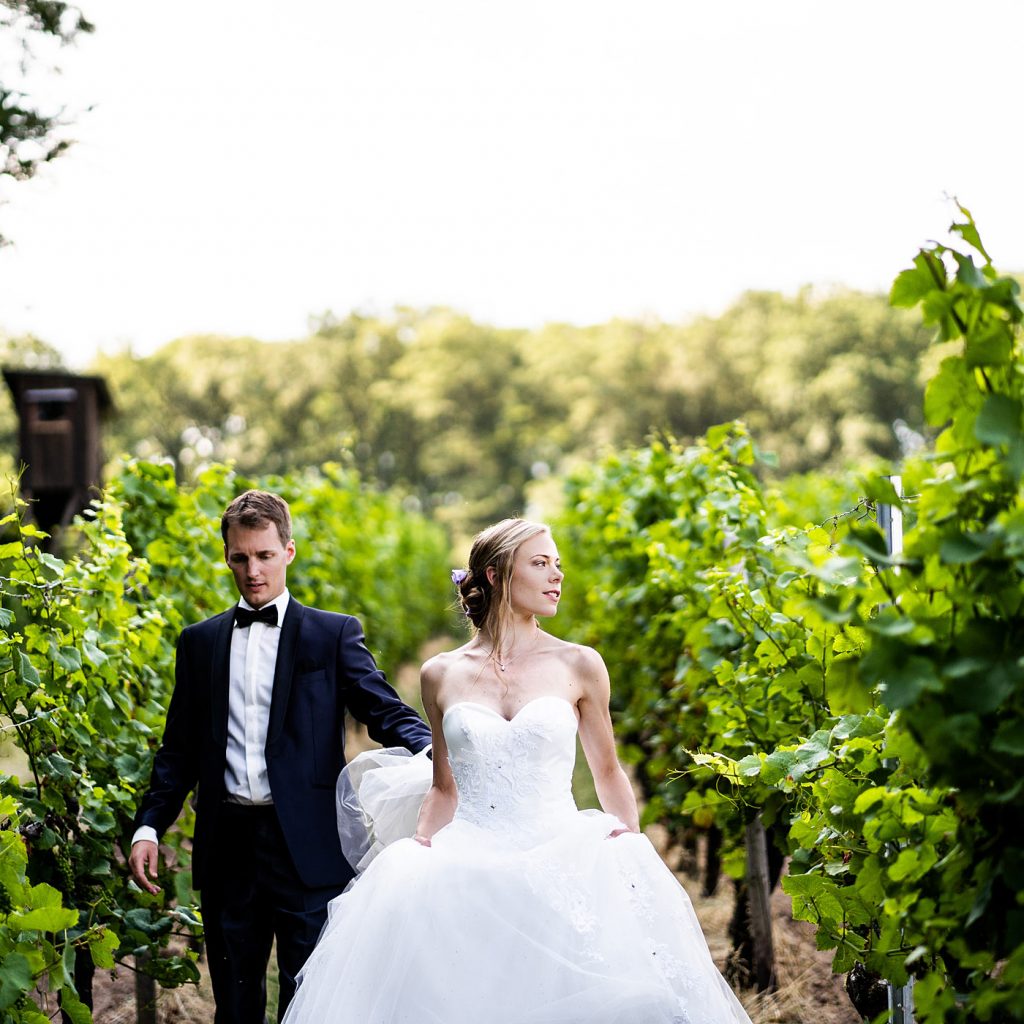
(486, 604)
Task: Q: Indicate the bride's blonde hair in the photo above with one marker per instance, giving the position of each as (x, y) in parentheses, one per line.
(486, 604)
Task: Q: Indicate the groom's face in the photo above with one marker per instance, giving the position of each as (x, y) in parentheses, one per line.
(258, 561)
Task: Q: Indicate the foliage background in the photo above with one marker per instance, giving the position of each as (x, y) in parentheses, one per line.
(470, 423)
(866, 706)
(769, 658)
(86, 669)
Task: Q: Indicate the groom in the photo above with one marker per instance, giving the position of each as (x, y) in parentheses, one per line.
(256, 727)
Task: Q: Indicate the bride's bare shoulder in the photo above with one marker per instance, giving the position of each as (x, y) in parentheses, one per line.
(581, 659)
(436, 669)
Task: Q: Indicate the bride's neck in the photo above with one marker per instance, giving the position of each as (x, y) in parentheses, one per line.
(520, 634)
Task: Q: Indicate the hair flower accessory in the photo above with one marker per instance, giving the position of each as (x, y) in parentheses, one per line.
(458, 575)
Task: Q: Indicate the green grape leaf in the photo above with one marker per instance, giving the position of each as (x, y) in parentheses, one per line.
(999, 421)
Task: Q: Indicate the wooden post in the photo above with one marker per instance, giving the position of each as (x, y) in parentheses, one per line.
(759, 906)
(145, 993)
(712, 861)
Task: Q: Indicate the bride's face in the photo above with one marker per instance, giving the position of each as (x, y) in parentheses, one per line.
(536, 584)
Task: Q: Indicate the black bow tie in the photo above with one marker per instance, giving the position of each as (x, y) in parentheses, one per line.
(247, 616)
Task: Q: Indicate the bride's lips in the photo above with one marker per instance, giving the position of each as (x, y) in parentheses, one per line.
(553, 594)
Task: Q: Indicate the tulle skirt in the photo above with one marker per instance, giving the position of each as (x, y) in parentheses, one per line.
(489, 928)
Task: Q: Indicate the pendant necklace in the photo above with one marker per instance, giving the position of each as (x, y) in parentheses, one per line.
(508, 661)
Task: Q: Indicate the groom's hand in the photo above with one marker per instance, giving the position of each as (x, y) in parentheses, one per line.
(143, 861)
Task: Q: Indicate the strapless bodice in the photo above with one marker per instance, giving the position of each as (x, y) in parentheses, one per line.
(513, 776)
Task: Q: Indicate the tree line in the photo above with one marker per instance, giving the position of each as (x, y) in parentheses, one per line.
(470, 420)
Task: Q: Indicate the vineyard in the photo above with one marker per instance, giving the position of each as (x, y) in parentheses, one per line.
(783, 681)
(866, 709)
(87, 656)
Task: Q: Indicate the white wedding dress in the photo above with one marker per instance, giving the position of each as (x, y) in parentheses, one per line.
(521, 911)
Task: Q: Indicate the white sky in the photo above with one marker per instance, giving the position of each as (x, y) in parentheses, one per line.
(248, 163)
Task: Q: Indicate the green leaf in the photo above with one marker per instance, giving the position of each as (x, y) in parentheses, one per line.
(968, 231)
(1009, 738)
(151, 924)
(882, 491)
(986, 691)
(76, 1010)
(69, 658)
(911, 286)
(830, 609)
(911, 863)
(15, 978)
(945, 394)
(846, 693)
(67, 966)
(905, 681)
(777, 766)
(968, 274)
(964, 548)
(102, 945)
(99, 819)
(890, 623)
(28, 670)
(989, 347)
(999, 421)
(868, 799)
(870, 542)
(45, 912)
(94, 654)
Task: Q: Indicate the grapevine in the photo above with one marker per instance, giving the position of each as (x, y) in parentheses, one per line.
(86, 667)
(868, 706)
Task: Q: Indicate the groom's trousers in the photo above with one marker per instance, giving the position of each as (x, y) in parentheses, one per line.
(252, 896)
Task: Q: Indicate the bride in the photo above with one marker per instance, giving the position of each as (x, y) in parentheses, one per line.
(508, 905)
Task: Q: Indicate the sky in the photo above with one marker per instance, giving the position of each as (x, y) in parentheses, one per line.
(242, 166)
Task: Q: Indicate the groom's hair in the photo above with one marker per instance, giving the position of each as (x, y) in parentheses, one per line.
(256, 509)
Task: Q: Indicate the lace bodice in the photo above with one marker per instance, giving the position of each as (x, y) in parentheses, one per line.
(513, 777)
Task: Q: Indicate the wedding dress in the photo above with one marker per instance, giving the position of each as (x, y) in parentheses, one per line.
(522, 911)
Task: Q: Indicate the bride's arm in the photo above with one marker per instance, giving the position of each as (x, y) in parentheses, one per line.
(612, 785)
(438, 806)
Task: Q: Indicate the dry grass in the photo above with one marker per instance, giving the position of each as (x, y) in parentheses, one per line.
(807, 991)
(114, 1000)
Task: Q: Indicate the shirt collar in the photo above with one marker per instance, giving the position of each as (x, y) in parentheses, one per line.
(280, 602)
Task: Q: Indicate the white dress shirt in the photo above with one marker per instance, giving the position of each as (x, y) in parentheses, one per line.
(251, 686)
(250, 689)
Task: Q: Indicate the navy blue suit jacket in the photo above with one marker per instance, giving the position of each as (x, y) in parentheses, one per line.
(324, 670)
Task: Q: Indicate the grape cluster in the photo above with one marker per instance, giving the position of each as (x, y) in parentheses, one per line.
(65, 870)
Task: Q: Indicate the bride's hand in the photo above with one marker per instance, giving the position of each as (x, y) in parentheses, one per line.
(618, 832)
(422, 840)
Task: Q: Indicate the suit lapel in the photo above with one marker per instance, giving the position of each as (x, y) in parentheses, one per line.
(284, 671)
(220, 679)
